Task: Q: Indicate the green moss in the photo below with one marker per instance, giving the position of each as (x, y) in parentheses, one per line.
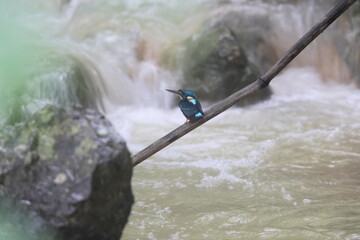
(46, 117)
(28, 159)
(74, 129)
(46, 147)
(25, 136)
(85, 147)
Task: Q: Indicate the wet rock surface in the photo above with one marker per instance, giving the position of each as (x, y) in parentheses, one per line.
(215, 66)
(70, 171)
(253, 31)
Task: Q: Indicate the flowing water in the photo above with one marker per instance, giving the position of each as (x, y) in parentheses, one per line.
(286, 168)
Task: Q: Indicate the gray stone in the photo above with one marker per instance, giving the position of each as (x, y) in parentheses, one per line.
(215, 66)
(253, 31)
(71, 171)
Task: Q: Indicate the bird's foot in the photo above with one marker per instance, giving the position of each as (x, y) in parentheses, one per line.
(187, 121)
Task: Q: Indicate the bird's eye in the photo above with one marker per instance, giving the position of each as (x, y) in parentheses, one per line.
(190, 98)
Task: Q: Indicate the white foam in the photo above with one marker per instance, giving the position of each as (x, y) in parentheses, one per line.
(242, 138)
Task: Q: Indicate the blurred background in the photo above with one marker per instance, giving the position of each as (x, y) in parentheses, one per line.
(283, 164)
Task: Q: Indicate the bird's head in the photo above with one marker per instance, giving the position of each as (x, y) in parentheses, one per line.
(183, 94)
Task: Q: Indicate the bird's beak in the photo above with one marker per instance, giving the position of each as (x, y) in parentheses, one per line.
(172, 91)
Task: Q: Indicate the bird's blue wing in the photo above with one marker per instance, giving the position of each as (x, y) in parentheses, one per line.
(188, 109)
(191, 110)
(198, 105)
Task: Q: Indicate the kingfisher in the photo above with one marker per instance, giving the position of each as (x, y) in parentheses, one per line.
(189, 105)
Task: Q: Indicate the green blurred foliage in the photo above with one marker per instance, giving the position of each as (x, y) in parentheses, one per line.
(15, 225)
(17, 53)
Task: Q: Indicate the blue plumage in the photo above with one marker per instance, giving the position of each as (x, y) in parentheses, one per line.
(189, 105)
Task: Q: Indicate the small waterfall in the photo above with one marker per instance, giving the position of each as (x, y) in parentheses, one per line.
(109, 49)
(106, 54)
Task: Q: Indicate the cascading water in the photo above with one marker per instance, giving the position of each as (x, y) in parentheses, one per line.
(286, 168)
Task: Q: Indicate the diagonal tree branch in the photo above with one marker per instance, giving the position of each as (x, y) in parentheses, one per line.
(262, 82)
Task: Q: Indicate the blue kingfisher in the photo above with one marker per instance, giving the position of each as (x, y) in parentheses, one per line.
(189, 105)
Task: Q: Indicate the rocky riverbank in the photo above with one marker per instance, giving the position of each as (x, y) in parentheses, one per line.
(69, 170)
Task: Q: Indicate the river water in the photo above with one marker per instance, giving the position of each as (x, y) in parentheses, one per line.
(286, 168)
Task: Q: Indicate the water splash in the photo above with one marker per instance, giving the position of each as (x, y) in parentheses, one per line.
(115, 52)
(114, 48)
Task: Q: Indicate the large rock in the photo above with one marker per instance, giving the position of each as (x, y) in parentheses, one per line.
(215, 66)
(70, 171)
(253, 31)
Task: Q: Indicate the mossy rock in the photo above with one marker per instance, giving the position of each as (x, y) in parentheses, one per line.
(71, 170)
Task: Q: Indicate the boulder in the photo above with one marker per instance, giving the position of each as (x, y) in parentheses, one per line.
(215, 65)
(70, 172)
(253, 30)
